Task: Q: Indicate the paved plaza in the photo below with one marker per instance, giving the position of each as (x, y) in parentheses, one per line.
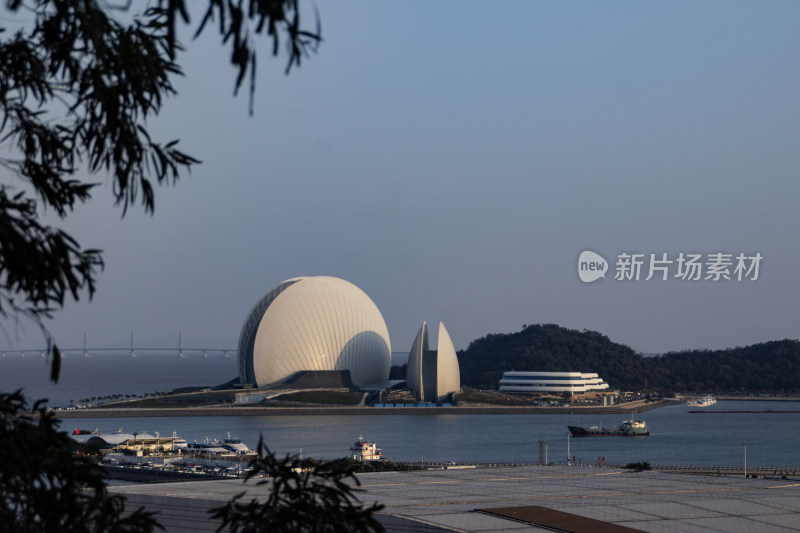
(457, 500)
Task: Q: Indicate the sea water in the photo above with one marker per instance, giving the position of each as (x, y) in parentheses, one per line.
(104, 374)
(680, 437)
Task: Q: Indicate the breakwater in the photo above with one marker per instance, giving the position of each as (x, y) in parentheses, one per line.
(132, 412)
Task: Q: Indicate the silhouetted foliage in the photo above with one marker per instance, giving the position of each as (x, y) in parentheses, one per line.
(44, 486)
(398, 372)
(302, 496)
(77, 87)
(771, 366)
(639, 467)
(371, 466)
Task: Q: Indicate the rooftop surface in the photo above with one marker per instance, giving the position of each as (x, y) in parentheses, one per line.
(451, 500)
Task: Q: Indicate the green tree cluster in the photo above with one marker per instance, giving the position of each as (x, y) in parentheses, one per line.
(770, 366)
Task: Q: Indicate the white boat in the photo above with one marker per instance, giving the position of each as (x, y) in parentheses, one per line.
(179, 443)
(365, 451)
(705, 401)
(236, 446)
(230, 446)
(208, 447)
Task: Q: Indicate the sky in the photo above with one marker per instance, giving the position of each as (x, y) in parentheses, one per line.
(453, 159)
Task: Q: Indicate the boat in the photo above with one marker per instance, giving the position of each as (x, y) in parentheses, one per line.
(705, 401)
(229, 446)
(78, 431)
(629, 428)
(208, 447)
(236, 446)
(179, 443)
(365, 451)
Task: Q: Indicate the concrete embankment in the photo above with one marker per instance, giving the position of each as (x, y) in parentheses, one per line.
(303, 411)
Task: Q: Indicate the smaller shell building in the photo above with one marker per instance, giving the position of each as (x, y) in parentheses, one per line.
(432, 375)
(318, 323)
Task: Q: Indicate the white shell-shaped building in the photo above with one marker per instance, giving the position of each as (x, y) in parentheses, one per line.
(314, 323)
(433, 375)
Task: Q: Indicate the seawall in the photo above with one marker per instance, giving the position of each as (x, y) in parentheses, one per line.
(339, 410)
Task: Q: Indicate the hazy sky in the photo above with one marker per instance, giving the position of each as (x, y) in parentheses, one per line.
(453, 158)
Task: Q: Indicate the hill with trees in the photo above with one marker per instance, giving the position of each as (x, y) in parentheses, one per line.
(770, 366)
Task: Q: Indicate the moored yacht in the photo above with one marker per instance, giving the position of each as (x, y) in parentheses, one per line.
(236, 446)
(365, 451)
(705, 401)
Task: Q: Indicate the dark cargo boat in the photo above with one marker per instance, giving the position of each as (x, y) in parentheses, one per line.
(629, 428)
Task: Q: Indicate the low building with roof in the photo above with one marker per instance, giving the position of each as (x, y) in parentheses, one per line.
(137, 444)
(573, 383)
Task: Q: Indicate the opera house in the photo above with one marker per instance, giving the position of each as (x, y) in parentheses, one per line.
(314, 324)
(432, 375)
(321, 331)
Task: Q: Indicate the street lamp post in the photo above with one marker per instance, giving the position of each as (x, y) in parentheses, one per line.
(745, 458)
(568, 456)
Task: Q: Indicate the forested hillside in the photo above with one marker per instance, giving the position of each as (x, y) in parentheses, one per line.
(767, 366)
(773, 366)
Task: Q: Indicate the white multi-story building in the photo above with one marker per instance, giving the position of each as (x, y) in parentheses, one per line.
(552, 382)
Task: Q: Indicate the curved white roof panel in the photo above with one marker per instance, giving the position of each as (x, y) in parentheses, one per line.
(433, 375)
(414, 367)
(448, 376)
(314, 323)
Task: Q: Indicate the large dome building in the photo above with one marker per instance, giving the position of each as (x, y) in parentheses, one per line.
(314, 324)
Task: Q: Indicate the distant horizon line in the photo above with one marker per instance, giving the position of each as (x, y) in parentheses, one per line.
(119, 349)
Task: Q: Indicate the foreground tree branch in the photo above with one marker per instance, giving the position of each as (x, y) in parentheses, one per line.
(77, 87)
(45, 486)
(299, 498)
